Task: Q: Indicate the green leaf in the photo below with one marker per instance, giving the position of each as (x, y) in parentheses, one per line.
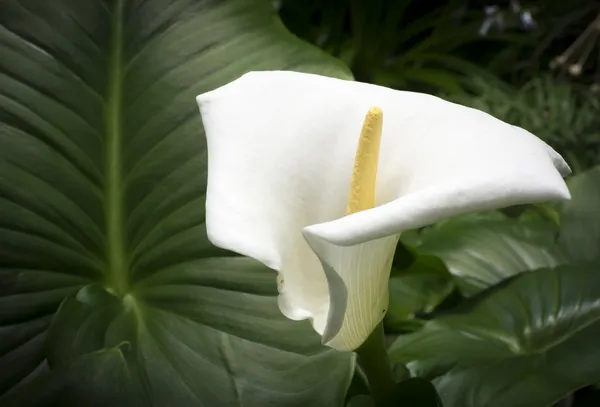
(170, 338)
(484, 249)
(580, 217)
(358, 391)
(418, 289)
(96, 380)
(527, 342)
(103, 163)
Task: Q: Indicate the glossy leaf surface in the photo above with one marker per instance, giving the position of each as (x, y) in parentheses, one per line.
(527, 342)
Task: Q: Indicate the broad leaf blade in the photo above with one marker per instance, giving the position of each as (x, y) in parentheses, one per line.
(526, 343)
(418, 289)
(103, 164)
(96, 379)
(484, 249)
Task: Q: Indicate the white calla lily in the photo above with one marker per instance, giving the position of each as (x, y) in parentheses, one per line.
(282, 155)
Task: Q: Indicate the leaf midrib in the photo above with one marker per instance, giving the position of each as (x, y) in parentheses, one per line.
(115, 243)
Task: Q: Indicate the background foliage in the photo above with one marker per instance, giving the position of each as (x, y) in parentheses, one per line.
(110, 292)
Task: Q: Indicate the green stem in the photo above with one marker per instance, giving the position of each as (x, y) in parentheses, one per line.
(117, 268)
(373, 359)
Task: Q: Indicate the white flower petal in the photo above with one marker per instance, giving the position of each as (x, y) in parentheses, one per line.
(281, 147)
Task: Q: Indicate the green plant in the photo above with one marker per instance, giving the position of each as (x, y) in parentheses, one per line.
(402, 44)
(111, 294)
(524, 334)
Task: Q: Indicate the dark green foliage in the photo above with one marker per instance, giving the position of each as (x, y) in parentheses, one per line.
(404, 44)
(110, 293)
(526, 335)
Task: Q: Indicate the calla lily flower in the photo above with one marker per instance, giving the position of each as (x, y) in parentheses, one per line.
(317, 177)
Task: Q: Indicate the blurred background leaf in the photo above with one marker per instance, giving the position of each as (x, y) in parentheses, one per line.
(401, 44)
(417, 290)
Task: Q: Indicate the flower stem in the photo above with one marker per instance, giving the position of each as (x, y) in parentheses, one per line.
(374, 361)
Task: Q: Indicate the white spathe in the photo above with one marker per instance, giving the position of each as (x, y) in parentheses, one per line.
(281, 148)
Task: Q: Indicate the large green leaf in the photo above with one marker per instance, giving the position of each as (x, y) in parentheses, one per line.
(484, 249)
(525, 343)
(419, 288)
(580, 217)
(103, 167)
